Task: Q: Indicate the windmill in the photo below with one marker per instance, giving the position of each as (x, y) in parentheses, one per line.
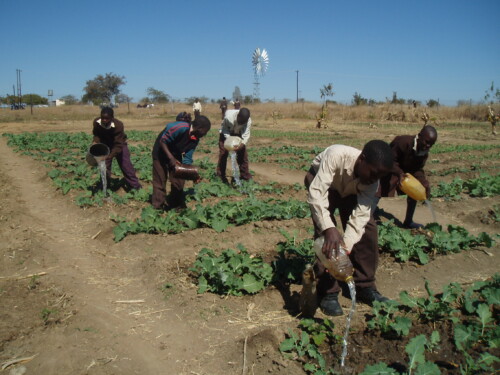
(260, 62)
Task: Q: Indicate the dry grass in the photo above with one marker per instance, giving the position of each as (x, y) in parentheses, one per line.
(266, 112)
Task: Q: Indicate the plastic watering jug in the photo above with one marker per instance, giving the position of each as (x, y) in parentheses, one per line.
(413, 188)
(339, 267)
(232, 142)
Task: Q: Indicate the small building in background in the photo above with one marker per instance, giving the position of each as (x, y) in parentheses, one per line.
(57, 102)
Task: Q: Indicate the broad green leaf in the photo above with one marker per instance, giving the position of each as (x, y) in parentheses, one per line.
(402, 325)
(485, 315)
(202, 284)
(219, 225)
(191, 224)
(319, 338)
(251, 284)
(287, 345)
(304, 339)
(488, 359)
(407, 300)
(427, 368)
(415, 350)
(464, 336)
(379, 369)
(435, 338)
(310, 367)
(492, 296)
(484, 238)
(423, 258)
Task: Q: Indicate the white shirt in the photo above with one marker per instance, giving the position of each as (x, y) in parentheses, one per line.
(230, 126)
(197, 106)
(335, 169)
(110, 125)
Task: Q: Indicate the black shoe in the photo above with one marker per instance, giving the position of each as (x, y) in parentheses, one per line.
(412, 225)
(330, 305)
(369, 295)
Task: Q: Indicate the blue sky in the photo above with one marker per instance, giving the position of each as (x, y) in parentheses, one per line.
(446, 50)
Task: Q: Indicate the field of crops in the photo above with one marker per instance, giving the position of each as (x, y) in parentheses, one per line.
(231, 262)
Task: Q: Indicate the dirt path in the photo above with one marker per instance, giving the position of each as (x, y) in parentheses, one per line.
(94, 281)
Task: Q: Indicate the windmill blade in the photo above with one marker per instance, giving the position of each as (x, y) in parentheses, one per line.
(260, 61)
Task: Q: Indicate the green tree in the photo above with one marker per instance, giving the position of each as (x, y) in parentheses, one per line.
(325, 92)
(34, 99)
(432, 103)
(102, 88)
(396, 100)
(357, 99)
(69, 99)
(157, 96)
(492, 94)
(248, 99)
(122, 98)
(202, 99)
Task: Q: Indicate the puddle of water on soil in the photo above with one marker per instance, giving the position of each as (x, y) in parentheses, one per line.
(352, 290)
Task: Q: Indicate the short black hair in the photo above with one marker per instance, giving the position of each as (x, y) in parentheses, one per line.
(183, 116)
(244, 113)
(108, 111)
(202, 122)
(430, 130)
(378, 152)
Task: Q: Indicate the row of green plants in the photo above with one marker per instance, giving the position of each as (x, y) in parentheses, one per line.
(477, 167)
(293, 255)
(218, 216)
(466, 320)
(447, 148)
(405, 245)
(64, 153)
(484, 186)
(472, 315)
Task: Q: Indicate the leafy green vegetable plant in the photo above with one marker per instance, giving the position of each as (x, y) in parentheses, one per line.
(305, 345)
(233, 272)
(292, 257)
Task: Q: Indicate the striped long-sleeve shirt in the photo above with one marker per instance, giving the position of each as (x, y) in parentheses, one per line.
(180, 143)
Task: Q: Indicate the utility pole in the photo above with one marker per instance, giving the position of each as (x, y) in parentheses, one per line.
(19, 94)
(297, 86)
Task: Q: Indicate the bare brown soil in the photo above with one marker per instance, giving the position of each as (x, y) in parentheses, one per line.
(75, 302)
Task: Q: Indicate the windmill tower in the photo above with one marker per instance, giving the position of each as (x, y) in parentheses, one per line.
(260, 62)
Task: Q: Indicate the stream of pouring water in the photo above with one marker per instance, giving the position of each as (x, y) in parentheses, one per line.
(429, 204)
(352, 290)
(236, 169)
(102, 168)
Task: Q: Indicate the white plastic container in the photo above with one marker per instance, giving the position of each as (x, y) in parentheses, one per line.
(232, 142)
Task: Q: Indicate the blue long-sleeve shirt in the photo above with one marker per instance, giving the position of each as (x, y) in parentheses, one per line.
(179, 142)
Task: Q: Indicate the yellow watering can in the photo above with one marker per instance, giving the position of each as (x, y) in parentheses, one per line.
(413, 188)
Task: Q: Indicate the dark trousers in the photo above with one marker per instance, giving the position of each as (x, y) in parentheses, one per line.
(241, 158)
(123, 159)
(160, 176)
(223, 110)
(364, 254)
